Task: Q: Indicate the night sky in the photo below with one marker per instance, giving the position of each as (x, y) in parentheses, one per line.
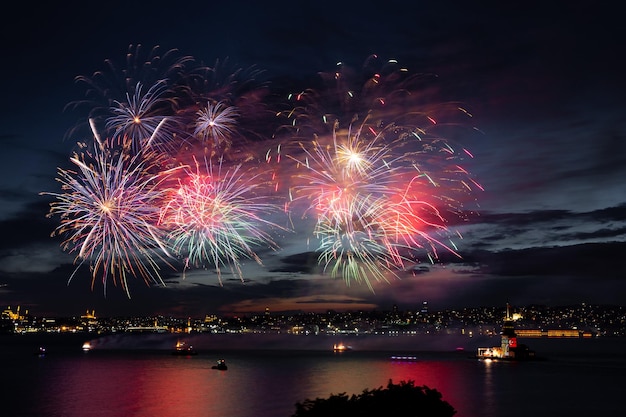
(544, 84)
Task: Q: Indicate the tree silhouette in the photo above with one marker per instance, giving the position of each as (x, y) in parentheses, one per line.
(398, 400)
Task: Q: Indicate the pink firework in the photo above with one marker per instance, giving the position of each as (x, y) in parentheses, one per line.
(381, 179)
(216, 217)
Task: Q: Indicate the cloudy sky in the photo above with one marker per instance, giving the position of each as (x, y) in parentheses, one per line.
(544, 85)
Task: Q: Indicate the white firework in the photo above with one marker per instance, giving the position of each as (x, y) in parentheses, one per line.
(216, 122)
(143, 117)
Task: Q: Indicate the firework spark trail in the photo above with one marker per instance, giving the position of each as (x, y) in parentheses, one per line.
(223, 82)
(215, 218)
(108, 208)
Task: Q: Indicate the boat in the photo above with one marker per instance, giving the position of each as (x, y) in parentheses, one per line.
(496, 353)
(183, 349)
(41, 351)
(407, 358)
(340, 347)
(509, 349)
(87, 347)
(221, 365)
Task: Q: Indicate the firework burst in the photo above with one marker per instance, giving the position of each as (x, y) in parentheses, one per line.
(226, 109)
(144, 118)
(381, 180)
(108, 208)
(352, 240)
(216, 218)
(138, 100)
(216, 123)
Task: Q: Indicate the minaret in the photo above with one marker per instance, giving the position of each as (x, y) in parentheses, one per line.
(509, 338)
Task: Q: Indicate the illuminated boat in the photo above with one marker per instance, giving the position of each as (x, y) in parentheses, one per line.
(340, 347)
(407, 358)
(221, 365)
(87, 346)
(183, 349)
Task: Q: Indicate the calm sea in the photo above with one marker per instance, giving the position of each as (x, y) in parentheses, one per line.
(135, 375)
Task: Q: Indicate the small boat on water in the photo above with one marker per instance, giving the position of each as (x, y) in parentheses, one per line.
(221, 365)
(87, 346)
(41, 351)
(183, 349)
(340, 347)
(406, 358)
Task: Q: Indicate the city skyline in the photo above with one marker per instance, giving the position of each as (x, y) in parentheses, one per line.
(543, 85)
(532, 321)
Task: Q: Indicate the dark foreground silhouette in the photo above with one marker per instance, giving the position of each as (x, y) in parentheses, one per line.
(398, 400)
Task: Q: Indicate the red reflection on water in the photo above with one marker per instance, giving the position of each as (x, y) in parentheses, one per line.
(258, 385)
(445, 376)
(141, 387)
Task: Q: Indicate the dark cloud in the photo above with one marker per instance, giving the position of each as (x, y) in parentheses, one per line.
(301, 262)
(591, 260)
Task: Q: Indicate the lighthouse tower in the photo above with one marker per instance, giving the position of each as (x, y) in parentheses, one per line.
(508, 341)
